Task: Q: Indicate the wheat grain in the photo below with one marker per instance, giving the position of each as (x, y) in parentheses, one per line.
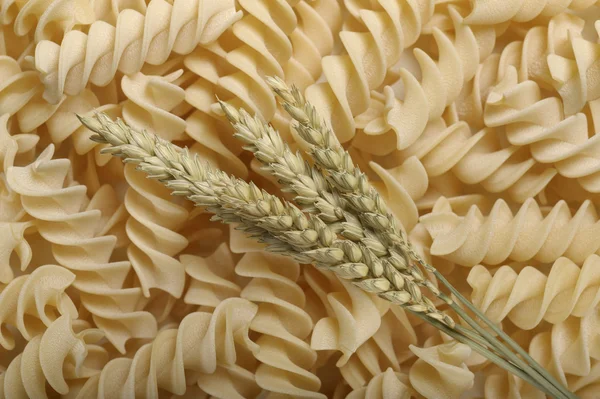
(281, 225)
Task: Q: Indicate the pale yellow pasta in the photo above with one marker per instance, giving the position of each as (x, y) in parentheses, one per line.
(63, 218)
(353, 316)
(30, 303)
(440, 371)
(530, 233)
(204, 350)
(150, 100)
(136, 39)
(64, 352)
(212, 279)
(48, 19)
(386, 385)
(542, 124)
(368, 54)
(440, 84)
(286, 358)
(528, 297)
(154, 241)
(388, 349)
(497, 11)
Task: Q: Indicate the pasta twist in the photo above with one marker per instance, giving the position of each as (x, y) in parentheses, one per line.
(21, 99)
(152, 228)
(212, 278)
(30, 303)
(13, 241)
(352, 315)
(481, 158)
(530, 296)
(205, 350)
(532, 233)
(368, 55)
(149, 102)
(136, 39)
(389, 384)
(441, 83)
(286, 359)
(75, 230)
(50, 19)
(263, 51)
(492, 12)
(441, 372)
(569, 352)
(386, 350)
(55, 359)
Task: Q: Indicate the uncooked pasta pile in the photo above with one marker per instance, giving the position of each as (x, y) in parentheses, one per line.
(475, 120)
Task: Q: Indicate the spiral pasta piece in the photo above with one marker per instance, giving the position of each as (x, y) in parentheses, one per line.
(490, 12)
(204, 350)
(352, 315)
(386, 350)
(479, 158)
(531, 233)
(212, 278)
(49, 19)
(63, 353)
(30, 303)
(136, 39)
(150, 100)
(569, 352)
(440, 372)
(441, 83)
(530, 296)
(368, 55)
(542, 124)
(75, 230)
(286, 359)
(389, 384)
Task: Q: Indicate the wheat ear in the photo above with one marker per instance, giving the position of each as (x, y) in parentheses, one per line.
(280, 224)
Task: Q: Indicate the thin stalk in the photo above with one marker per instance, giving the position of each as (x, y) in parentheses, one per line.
(556, 392)
(534, 364)
(493, 357)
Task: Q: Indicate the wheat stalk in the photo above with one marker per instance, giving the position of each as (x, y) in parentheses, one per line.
(308, 239)
(280, 224)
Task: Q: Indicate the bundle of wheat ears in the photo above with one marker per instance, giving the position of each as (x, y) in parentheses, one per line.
(337, 221)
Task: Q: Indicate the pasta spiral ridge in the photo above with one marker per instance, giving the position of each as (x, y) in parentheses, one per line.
(389, 384)
(313, 38)
(64, 353)
(204, 350)
(440, 371)
(352, 315)
(569, 351)
(75, 231)
(212, 278)
(136, 39)
(480, 158)
(368, 55)
(528, 297)
(30, 303)
(531, 233)
(388, 349)
(150, 100)
(21, 100)
(152, 228)
(286, 358)
(490, 12)
(441, 83)
(50, 19)
(264, 50)
(540, 123)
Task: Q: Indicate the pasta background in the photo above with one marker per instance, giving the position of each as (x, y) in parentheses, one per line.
(476, 121)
